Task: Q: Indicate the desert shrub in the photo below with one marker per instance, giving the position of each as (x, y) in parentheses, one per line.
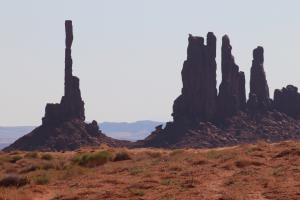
(136, 192)
(175, 168)
(72, 171)
(47, 156)
(176, 152)
(13, 180)
(14, 153)
(212, 154)
(14, 159)
(167, 197)
(42, 179)
(92, 159)
(245, 163)
(48, 166)
(166, 181)
(121, 156)
(29, 168)
(135, 170)
(154, 154)
(32, 155)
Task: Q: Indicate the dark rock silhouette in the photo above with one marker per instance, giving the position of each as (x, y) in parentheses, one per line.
(63, 126)
(232, 94)
(259, 99)
(71, 105)
(228, 120)
(197, 101)
(287, 100)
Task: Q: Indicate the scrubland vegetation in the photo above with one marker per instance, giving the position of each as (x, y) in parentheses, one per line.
(260, 171)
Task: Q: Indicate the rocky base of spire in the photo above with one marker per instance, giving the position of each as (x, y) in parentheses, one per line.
(69, 135)
(270, 126)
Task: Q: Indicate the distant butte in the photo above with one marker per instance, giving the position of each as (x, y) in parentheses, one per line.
(63, 126)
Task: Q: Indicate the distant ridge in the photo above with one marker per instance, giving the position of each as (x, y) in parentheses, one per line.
(129, 130)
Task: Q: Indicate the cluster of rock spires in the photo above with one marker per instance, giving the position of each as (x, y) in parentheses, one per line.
(63, 126)
(204, 118)
(200, 101)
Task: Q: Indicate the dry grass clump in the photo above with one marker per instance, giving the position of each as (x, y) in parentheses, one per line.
(13, 180)
(29, 168)
(120, 156)
(135, 170)
(246, 163)
(154, 154)
(47, 157)
(176, 152)
(92, 159)
(31, 155)
(41, 179)
(15, 158)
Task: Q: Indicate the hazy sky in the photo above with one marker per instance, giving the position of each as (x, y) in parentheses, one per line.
(129, 54)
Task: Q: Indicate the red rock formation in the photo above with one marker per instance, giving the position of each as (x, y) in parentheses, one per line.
(232, 94)
(198, 99)
(259, 99)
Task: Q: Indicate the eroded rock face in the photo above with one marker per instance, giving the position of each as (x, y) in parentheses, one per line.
(232, 94)
(71, 105)
(259, 99)
(287, 100)
(197, 101)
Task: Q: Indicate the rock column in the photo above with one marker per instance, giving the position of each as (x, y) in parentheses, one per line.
(259, 91)
(232, 95)
(197, 101)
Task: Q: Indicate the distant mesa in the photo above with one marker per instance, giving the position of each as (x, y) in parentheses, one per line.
(63, 126)
(204, 118)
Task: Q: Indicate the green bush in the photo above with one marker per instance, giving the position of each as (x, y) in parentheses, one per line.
(92, 159)
(47, 156)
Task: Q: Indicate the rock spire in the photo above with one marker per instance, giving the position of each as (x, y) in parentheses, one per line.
(71, 105)
(232, 94)
(259, 91)
(197, 101)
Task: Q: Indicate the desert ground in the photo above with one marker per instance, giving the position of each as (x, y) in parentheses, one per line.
(252, 171)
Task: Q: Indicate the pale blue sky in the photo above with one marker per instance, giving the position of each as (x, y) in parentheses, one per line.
(129, 54)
